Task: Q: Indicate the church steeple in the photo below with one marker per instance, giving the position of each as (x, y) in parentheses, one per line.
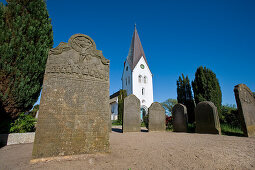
(135, 51)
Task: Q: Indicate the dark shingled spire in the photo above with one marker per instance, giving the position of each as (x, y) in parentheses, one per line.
(135, 51)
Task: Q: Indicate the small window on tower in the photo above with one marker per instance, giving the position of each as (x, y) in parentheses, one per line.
(139, 78)
(127, 68)
(143, 91)
(143, 101)
(145, 79)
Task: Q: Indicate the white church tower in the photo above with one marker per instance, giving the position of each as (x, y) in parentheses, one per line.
(137, 77)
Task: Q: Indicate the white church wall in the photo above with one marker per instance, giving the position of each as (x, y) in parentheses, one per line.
(114, 111)
(146, 98)
(127, 79)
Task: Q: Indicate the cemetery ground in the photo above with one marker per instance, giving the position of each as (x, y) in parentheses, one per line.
(143, 150)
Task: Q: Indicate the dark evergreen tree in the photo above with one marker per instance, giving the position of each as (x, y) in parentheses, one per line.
(121, 97)
(25, 39)
(206, 87)
(185, 97)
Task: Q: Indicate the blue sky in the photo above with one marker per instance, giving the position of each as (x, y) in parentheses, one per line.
(177, 36)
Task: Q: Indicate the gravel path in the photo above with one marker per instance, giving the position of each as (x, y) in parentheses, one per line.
(143, 150)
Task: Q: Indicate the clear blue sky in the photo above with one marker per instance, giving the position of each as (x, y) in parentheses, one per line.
(177, 36)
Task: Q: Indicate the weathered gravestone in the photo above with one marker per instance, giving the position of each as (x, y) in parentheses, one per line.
(131, 114)
(157, 117)
(207, 118)
(180, 118)
(74, 107)
(246, 108)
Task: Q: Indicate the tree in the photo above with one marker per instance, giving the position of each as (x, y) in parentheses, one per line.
(25, 39)
(121, 97)
(168, 105)
(184, 96)
(206, 87)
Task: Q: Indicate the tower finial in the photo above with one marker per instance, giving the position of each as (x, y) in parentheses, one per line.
(135, 25)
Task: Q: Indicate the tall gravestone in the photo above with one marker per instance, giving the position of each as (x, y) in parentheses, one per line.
(74, 107)
(180, 118)
(131, 114)
(207, 118)
(246, 108)
(157, 117)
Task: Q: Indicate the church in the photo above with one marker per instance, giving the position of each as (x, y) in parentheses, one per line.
(136, 78)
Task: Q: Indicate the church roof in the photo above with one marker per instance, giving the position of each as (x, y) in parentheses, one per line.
(136, 51)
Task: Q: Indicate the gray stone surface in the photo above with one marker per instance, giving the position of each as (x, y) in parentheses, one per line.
(207, 118)
(180, 118)
(17, 138)
(246, 108)
(74, 107)
(157, 117)
(131, 114)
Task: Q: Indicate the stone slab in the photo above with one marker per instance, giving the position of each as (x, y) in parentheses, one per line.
(17, 138)
(207, 118)
(180, 118)
(246, 108)
(74, 107)
(157, 117)
(131, 114)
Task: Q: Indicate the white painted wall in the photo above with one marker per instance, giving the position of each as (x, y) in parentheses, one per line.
(114, 111)
(127, 79)
(148, 86)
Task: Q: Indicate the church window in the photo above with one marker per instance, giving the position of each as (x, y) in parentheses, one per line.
(143, 101)
(128, 80)
(139, 78)
(127, 68)
(143, 91)
(145, 79)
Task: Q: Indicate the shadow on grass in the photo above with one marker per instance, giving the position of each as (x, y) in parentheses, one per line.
(232, 134)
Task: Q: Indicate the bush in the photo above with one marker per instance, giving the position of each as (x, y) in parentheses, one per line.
(24, 123)
(169, 122)
(146, 120)
(229, 115)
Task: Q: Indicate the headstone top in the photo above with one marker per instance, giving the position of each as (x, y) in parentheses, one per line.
(79, 58)
(157, 105)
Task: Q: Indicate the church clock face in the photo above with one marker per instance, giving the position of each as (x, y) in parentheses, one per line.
(142, 66)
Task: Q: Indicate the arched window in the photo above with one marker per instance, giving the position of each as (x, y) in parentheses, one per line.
(145, 79)
(143, 91)
(139, 78)
(143, 101)
(127, 68)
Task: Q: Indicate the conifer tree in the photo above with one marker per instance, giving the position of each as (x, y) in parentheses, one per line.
(184, 96)
(122, 95)
(206, 87)
(25, 39)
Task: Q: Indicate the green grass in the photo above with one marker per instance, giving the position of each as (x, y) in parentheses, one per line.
(143, 124)
(116, 122)
(191, 128)
(230, 130)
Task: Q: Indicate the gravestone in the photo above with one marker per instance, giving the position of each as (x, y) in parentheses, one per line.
(157, 117)
(74, 107)
(246, 108)
(207, 118)
(180, 118)
(131, 114)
